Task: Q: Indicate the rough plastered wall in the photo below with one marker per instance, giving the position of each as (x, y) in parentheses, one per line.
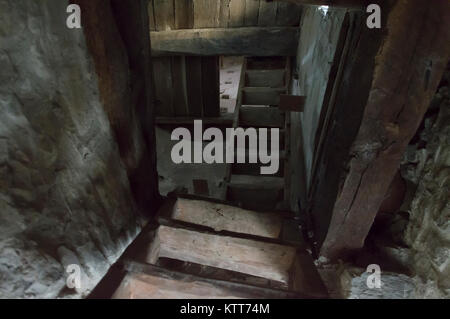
(318, 40)
(64, 193)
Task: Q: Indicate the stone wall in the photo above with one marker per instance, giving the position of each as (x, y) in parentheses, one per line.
(65, 194)
(427, 169)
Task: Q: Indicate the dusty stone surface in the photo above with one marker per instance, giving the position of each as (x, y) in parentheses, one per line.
(64, 193)
(427, 166)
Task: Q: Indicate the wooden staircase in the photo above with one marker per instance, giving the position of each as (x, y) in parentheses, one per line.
(203, 249)
(263, 80)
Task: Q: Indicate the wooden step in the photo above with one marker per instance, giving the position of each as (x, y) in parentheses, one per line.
(260, 193)
(261, 95)
(144, 281)
(224, 217)
(266, 63)
(265, 78)
(261, 117)
(261, 259)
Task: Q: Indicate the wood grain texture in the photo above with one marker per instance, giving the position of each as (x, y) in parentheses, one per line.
(184, 14)
(251, 13)
(281, 41)
(164, 15)
(267, 13)
(223, 217)
(267, 260)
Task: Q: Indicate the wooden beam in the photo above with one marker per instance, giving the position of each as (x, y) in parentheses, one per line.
(331, 3)
(224, 120)
(404, 80)
(253, 41)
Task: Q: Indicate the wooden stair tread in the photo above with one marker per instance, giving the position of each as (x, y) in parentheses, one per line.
(143, 286)
(143, 281)
(224, 217)
(265, 78)
(261, 259)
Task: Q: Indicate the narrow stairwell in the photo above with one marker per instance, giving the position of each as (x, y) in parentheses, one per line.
(204, 249)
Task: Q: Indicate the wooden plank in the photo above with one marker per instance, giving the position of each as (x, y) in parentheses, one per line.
(278, 41)
(211, 86)
(261, 95)
(257, 182)
(334, 3)
(223, 120)
(265, 78)
(151, 16)
(162, 69)
(184, 14)
(237, 13)
(288, 14)
(260, 193)
(261, 117)
(224, 217)
(236, 115)
(143, 286)
(267, 13)
(294, 103)
(305, 277)
(224, 13)
(243, 290)
(206, 13)
(267, 260)
(164, 15)
(194, 85)
(251, 13)
(179, 86)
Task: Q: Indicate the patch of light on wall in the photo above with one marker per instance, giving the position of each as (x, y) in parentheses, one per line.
(323, 10)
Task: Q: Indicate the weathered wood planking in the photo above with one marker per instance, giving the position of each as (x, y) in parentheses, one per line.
(261, 95)
(237, 13)
(144, 286)
(265, 78)
(211, 86)
(267, 13)
(206, 13)
(194, 85)
(162, 69)
(224, 13)
(243, 290)
(278, 41)
(180, 100)
(402, 83)
(184, 14)
(223, 217)
(267, 260)
(187, 14)
(151, 15)
(164, 15)
(288, 14)
(251, 13)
